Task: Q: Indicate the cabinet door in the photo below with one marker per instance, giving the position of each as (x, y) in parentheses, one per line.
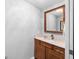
(51, 54)
(39, 50)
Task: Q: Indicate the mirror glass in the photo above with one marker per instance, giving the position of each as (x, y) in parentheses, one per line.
(55, 19)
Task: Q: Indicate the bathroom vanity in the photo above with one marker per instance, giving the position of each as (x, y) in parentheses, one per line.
(47, 49)
(54, 20)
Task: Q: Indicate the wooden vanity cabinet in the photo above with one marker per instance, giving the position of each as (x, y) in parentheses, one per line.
(44, 50)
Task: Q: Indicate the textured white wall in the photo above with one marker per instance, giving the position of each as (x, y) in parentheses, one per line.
(22, 22)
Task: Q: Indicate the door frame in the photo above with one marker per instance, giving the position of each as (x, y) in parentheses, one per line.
(69, 25)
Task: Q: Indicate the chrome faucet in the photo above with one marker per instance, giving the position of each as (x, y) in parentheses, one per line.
(52, 36)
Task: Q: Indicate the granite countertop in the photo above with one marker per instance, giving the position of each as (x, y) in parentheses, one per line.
(57, 42)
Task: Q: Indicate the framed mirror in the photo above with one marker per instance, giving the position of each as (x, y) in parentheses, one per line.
(54, 20)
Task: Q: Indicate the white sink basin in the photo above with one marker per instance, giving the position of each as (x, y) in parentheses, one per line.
(51, 41)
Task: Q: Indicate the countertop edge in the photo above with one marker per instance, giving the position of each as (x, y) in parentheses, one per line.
(50, 43)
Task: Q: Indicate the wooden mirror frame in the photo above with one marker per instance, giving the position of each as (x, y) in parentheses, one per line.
(45, 30)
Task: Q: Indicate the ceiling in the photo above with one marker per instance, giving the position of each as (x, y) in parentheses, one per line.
(43, 4)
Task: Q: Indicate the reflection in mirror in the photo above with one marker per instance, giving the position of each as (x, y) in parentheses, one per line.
(54, 19)
(61, 25)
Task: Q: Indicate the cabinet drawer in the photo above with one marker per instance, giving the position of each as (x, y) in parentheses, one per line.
(53, 52)
(47, 45)
(60, 50)
(56, 54)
